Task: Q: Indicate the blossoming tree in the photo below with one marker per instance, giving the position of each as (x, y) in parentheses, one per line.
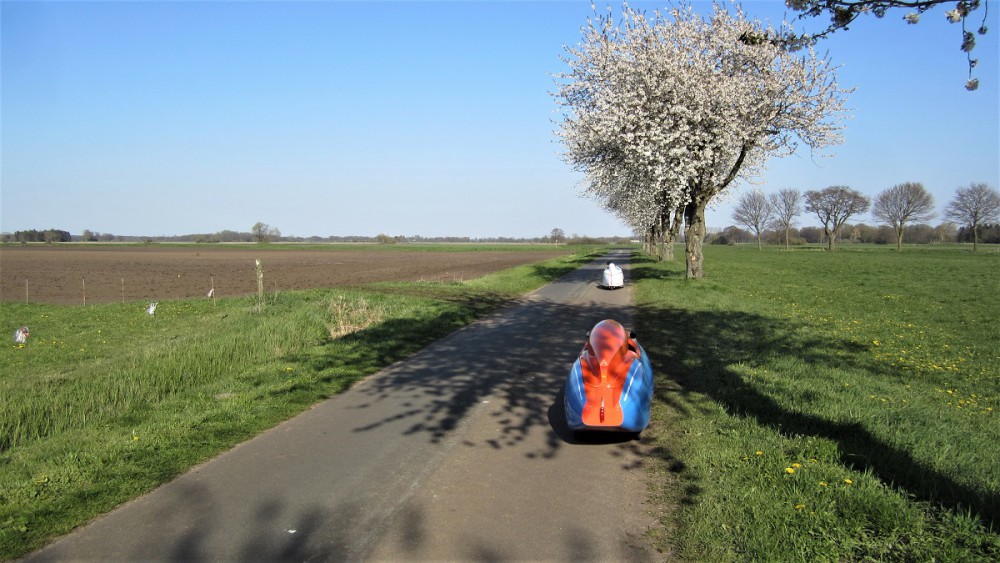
(666, 112)
(843, 12)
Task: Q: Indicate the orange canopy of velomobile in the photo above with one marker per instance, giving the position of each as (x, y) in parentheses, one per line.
(605, 362)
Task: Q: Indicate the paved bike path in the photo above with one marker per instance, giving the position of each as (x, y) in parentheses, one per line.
(459, 452)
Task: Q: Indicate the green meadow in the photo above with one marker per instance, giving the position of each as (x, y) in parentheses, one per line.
(810, 405)
(106, 402)
(836, 406)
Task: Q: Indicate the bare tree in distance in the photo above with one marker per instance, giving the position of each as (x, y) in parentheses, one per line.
(670, 110)
(974, 206)
(834, 206)
(787, 205)
(843, 12)
(902, 204)
(264, 233)
(754, 211)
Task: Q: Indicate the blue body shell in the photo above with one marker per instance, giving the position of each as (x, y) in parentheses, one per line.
(636, 397)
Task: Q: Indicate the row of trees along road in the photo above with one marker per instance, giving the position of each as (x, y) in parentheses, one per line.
(897, 207)
(662, 114)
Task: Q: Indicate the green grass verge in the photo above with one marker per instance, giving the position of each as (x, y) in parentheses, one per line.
(827, 406)
(105, 402)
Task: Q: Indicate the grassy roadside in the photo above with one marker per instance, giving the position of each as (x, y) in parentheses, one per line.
(105, 402)
(817, 406)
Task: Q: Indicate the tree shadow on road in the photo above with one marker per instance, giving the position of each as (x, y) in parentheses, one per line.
(519, 361)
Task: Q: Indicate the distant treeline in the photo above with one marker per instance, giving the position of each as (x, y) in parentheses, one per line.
(48, 235)
(862, 233)
(54, 235)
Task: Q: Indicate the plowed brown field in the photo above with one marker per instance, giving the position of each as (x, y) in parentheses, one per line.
(62, 274)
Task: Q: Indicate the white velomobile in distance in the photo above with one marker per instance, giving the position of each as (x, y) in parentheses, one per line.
(612, 278)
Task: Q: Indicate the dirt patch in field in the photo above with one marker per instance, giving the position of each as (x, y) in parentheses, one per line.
(62, 274)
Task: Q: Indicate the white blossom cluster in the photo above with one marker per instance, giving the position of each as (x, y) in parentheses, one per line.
(668, 110)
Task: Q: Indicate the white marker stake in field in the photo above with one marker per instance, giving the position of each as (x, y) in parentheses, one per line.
(260, 286)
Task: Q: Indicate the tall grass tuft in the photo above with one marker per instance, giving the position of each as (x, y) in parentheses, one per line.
(349, 315)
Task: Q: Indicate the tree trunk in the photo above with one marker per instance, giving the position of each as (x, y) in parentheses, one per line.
(649, 241)
(899, 239)
(671, 231)
(786, 238)
(694, 236)
(975, 237)
(668, 246)
(662, 253)
(656, 242)
(759, 245)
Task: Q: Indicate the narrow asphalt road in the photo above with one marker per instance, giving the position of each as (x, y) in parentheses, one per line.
(460, 452)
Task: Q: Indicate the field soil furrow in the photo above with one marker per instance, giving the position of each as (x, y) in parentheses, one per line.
(65, 274)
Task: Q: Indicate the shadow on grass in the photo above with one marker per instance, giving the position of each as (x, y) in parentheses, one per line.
(644, 267)
(692, 351)
(341, 362)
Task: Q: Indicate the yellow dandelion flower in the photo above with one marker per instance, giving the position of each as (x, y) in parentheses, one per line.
(848, 482)
(758, 452)
(823, 483)
(796, 465)
(789, 470)
(799, 506)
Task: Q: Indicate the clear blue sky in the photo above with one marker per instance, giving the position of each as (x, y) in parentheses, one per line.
(433, 119)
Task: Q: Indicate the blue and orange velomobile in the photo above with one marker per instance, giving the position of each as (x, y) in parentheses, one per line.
(610, 386)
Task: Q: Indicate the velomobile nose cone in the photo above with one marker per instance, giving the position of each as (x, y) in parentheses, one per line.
(606, 339)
